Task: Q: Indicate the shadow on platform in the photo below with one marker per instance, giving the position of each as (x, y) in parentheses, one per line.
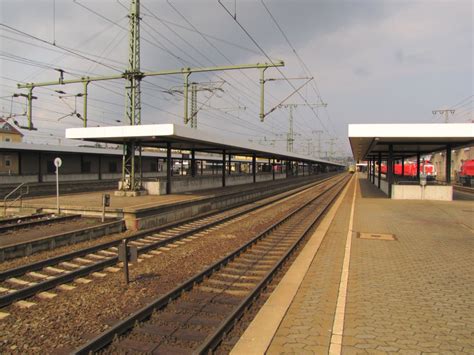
(368, 190)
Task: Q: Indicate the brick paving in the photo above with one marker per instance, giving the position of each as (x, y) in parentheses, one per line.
(413, 295)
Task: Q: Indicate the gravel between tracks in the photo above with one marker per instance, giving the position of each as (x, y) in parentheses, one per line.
(75, 316)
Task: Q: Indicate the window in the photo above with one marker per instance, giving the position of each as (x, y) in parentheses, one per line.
(86, 167)
(50, 168)
(112, 167)
(8, 162)
(153, 167)
(8, 139)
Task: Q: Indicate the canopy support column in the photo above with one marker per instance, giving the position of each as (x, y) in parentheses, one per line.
(254, 167)
(223, 168)
(418, 158)
(168, 168)
(193, 163)
(390, 170)
(380, 170)
(448, 164)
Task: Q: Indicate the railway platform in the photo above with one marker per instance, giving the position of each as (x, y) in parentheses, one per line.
(377, 276)
(141, 212)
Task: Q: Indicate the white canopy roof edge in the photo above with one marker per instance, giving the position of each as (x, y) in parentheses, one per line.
(157, 135)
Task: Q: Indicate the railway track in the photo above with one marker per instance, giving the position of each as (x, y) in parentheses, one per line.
(11, 224)
(196, 315)
(26, 281)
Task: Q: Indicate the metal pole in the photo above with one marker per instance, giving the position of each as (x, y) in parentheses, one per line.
(262, 94)
(168, 168)
(193, 163)
(448, 164)
(223, 168)
(380, 169)
(57, 191)
(186, 95)
(85, 103)
(418, 158)
(273, 168)
(125, 262)
(254, 167)
(390, 169)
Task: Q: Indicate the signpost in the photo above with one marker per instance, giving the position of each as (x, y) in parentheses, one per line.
(57, 163)
(105, 203)
(127, 254)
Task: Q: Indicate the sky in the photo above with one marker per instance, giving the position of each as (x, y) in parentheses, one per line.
(381, 61)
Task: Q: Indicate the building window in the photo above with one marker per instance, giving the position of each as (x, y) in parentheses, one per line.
(8, 139)
(8, 162)
(86, 167)
(112, 167)
(153, 167)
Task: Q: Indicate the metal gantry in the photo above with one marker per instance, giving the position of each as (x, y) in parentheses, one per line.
(131, 177)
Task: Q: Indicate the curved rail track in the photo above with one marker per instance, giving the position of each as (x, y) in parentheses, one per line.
(26, 281)
(196, 315)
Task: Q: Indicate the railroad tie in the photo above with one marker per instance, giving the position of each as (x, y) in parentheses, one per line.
(107, 253)
(24, 304)
(4, 315)
(19, 282)
(82, 280)
(97, 257)
(70, 265)
(54, 270)
(6, 290)
(66, 287)
(46, 295)
(38, 275)
(112, 269)
(155, 252)
(83, 261)
(99, 274)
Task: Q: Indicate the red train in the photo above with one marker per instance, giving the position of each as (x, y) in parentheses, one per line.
(410, 169)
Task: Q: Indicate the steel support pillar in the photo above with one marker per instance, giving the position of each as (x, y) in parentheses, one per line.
(168, 168)
(380, 169)
(390, 170)
(273, 169)
(403, 167)
(448, 164)
(193, 163)
(254, 167)
(230, 164)
(418, 160)
(223, 168)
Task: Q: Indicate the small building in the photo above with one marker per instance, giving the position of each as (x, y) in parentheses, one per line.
(9, 162)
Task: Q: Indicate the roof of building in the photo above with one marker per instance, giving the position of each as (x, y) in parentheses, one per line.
(368, 140)
(180, 137)
(6, 127)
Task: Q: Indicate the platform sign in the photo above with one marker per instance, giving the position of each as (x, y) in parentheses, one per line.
(57, 163)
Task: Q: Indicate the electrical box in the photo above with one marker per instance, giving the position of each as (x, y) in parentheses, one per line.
(129, 253)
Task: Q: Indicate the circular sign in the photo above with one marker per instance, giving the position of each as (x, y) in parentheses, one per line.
(58, 162)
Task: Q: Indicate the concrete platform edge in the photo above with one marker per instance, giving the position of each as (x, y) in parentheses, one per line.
(259, 334)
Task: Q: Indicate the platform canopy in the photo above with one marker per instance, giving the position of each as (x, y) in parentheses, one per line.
(183, 138)
(407, 140)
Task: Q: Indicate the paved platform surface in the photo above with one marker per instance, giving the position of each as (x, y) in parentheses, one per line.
(93, 200)
(410, 295)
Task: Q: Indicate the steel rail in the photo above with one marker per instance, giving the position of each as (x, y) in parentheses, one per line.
(145, 312)
(35, 222)
(84, 270)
